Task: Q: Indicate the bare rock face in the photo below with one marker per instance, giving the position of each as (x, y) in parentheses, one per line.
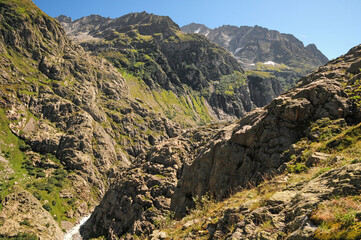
(263, 91)
(22, 212)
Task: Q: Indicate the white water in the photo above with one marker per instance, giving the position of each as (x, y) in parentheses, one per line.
(74, 234)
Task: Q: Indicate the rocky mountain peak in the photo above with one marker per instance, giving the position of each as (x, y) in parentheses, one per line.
(142, 18)
(79, 29)
(94, 27)
(196, 28)
(258, 44)
(94, 18)
(63, 18)
(258, 48)
(145, 23)
(311, 47)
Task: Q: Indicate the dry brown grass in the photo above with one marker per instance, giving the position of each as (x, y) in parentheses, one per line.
(338, 218)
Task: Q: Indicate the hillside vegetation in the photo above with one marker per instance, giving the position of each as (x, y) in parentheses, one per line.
(126, 127)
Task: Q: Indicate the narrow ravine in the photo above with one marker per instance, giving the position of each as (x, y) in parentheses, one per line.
(73, 233)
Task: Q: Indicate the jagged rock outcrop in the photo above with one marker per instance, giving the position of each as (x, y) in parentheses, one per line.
(257, 145)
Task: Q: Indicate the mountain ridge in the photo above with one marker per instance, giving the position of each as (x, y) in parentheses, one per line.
(258, 33)
(172, 60)
(258, 48)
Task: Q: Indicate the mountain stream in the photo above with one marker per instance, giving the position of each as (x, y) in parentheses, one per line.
(74, 233)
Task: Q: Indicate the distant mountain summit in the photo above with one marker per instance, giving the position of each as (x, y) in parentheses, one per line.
(96, 26)
(196, 28)
(257, 44)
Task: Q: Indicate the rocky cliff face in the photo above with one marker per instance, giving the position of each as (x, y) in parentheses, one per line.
(68, 120)
(152, 48)
(256, 146)
(284, 136)
(252, 45)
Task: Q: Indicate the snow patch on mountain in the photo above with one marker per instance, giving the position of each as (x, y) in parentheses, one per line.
(270, 63)
(198, 30)
(237, 50)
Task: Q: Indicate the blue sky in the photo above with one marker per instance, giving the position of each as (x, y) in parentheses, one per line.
(333, 25)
